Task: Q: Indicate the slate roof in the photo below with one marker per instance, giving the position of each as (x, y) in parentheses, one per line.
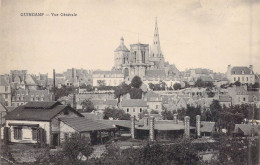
(133, 103)
(44, 111)
(82, 124)
(246, 129)
(151, 94)
(237, 70)
(207, 126)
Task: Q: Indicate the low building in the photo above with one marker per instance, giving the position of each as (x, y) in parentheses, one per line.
(225, 100)
(239, 95)
(92, 130)
(154, 101)
(37, 122)
(107, 78)
(133, 106)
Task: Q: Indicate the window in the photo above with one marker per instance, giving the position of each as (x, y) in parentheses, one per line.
(6, 88)
(34, 133)
(6, 96)
(234, 78)
(246, 78)
(135, 56)
(133, 109)
(244, 99)
(17, 133)
(66, 135)
(242, 78)
(157, 106)
(143, 56)
(238, 78)
(127, 110)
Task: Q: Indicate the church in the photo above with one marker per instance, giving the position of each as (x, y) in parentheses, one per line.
(144, 61)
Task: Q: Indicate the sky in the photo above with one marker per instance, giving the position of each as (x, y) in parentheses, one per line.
(193, 33)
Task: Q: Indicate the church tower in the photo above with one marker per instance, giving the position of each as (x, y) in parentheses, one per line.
(156, 55)
(121, 55)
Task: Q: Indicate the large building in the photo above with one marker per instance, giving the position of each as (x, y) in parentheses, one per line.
(242, 74)
(141, 60)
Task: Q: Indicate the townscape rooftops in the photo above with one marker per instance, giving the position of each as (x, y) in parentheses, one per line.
(133, 103)
(238, 70)
(42, 104)
(82, 124)
(34, 113)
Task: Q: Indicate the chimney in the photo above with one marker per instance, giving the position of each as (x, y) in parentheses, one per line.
(133, 127)
(198, 125)
(187, 126)
(145, 121)
(251, 67)
(151, 130)
(175, 120)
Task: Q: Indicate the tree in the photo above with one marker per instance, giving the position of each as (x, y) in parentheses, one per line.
(237, 83)
(154, 112)
(136, 93)
(116, 114)
(121, 90)
(101, 82)
(192, 112)
(177, 86)
(167, 115)
(87, 106)
(210, 94)
(136, 82)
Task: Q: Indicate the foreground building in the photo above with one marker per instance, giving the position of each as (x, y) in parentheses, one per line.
(37, 122)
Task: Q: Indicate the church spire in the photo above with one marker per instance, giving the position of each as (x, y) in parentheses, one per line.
(156, 48)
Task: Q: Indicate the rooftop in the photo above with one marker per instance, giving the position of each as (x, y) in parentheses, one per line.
(82, 124)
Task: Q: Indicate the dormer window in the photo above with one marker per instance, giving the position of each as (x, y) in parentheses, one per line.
(234, 72)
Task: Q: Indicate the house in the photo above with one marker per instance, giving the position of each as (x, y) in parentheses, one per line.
(154, 101)
(207, 128)
(21, 97)
(241, 74)
(37, 122)
(107, 78)
(5, 91)
(134, 106)
(239, 95)
(225, 100)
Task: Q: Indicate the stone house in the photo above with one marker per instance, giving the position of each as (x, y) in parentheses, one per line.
(37, 122)
(133, 106)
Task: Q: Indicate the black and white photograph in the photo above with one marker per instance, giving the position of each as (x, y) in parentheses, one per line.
(134, 82)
